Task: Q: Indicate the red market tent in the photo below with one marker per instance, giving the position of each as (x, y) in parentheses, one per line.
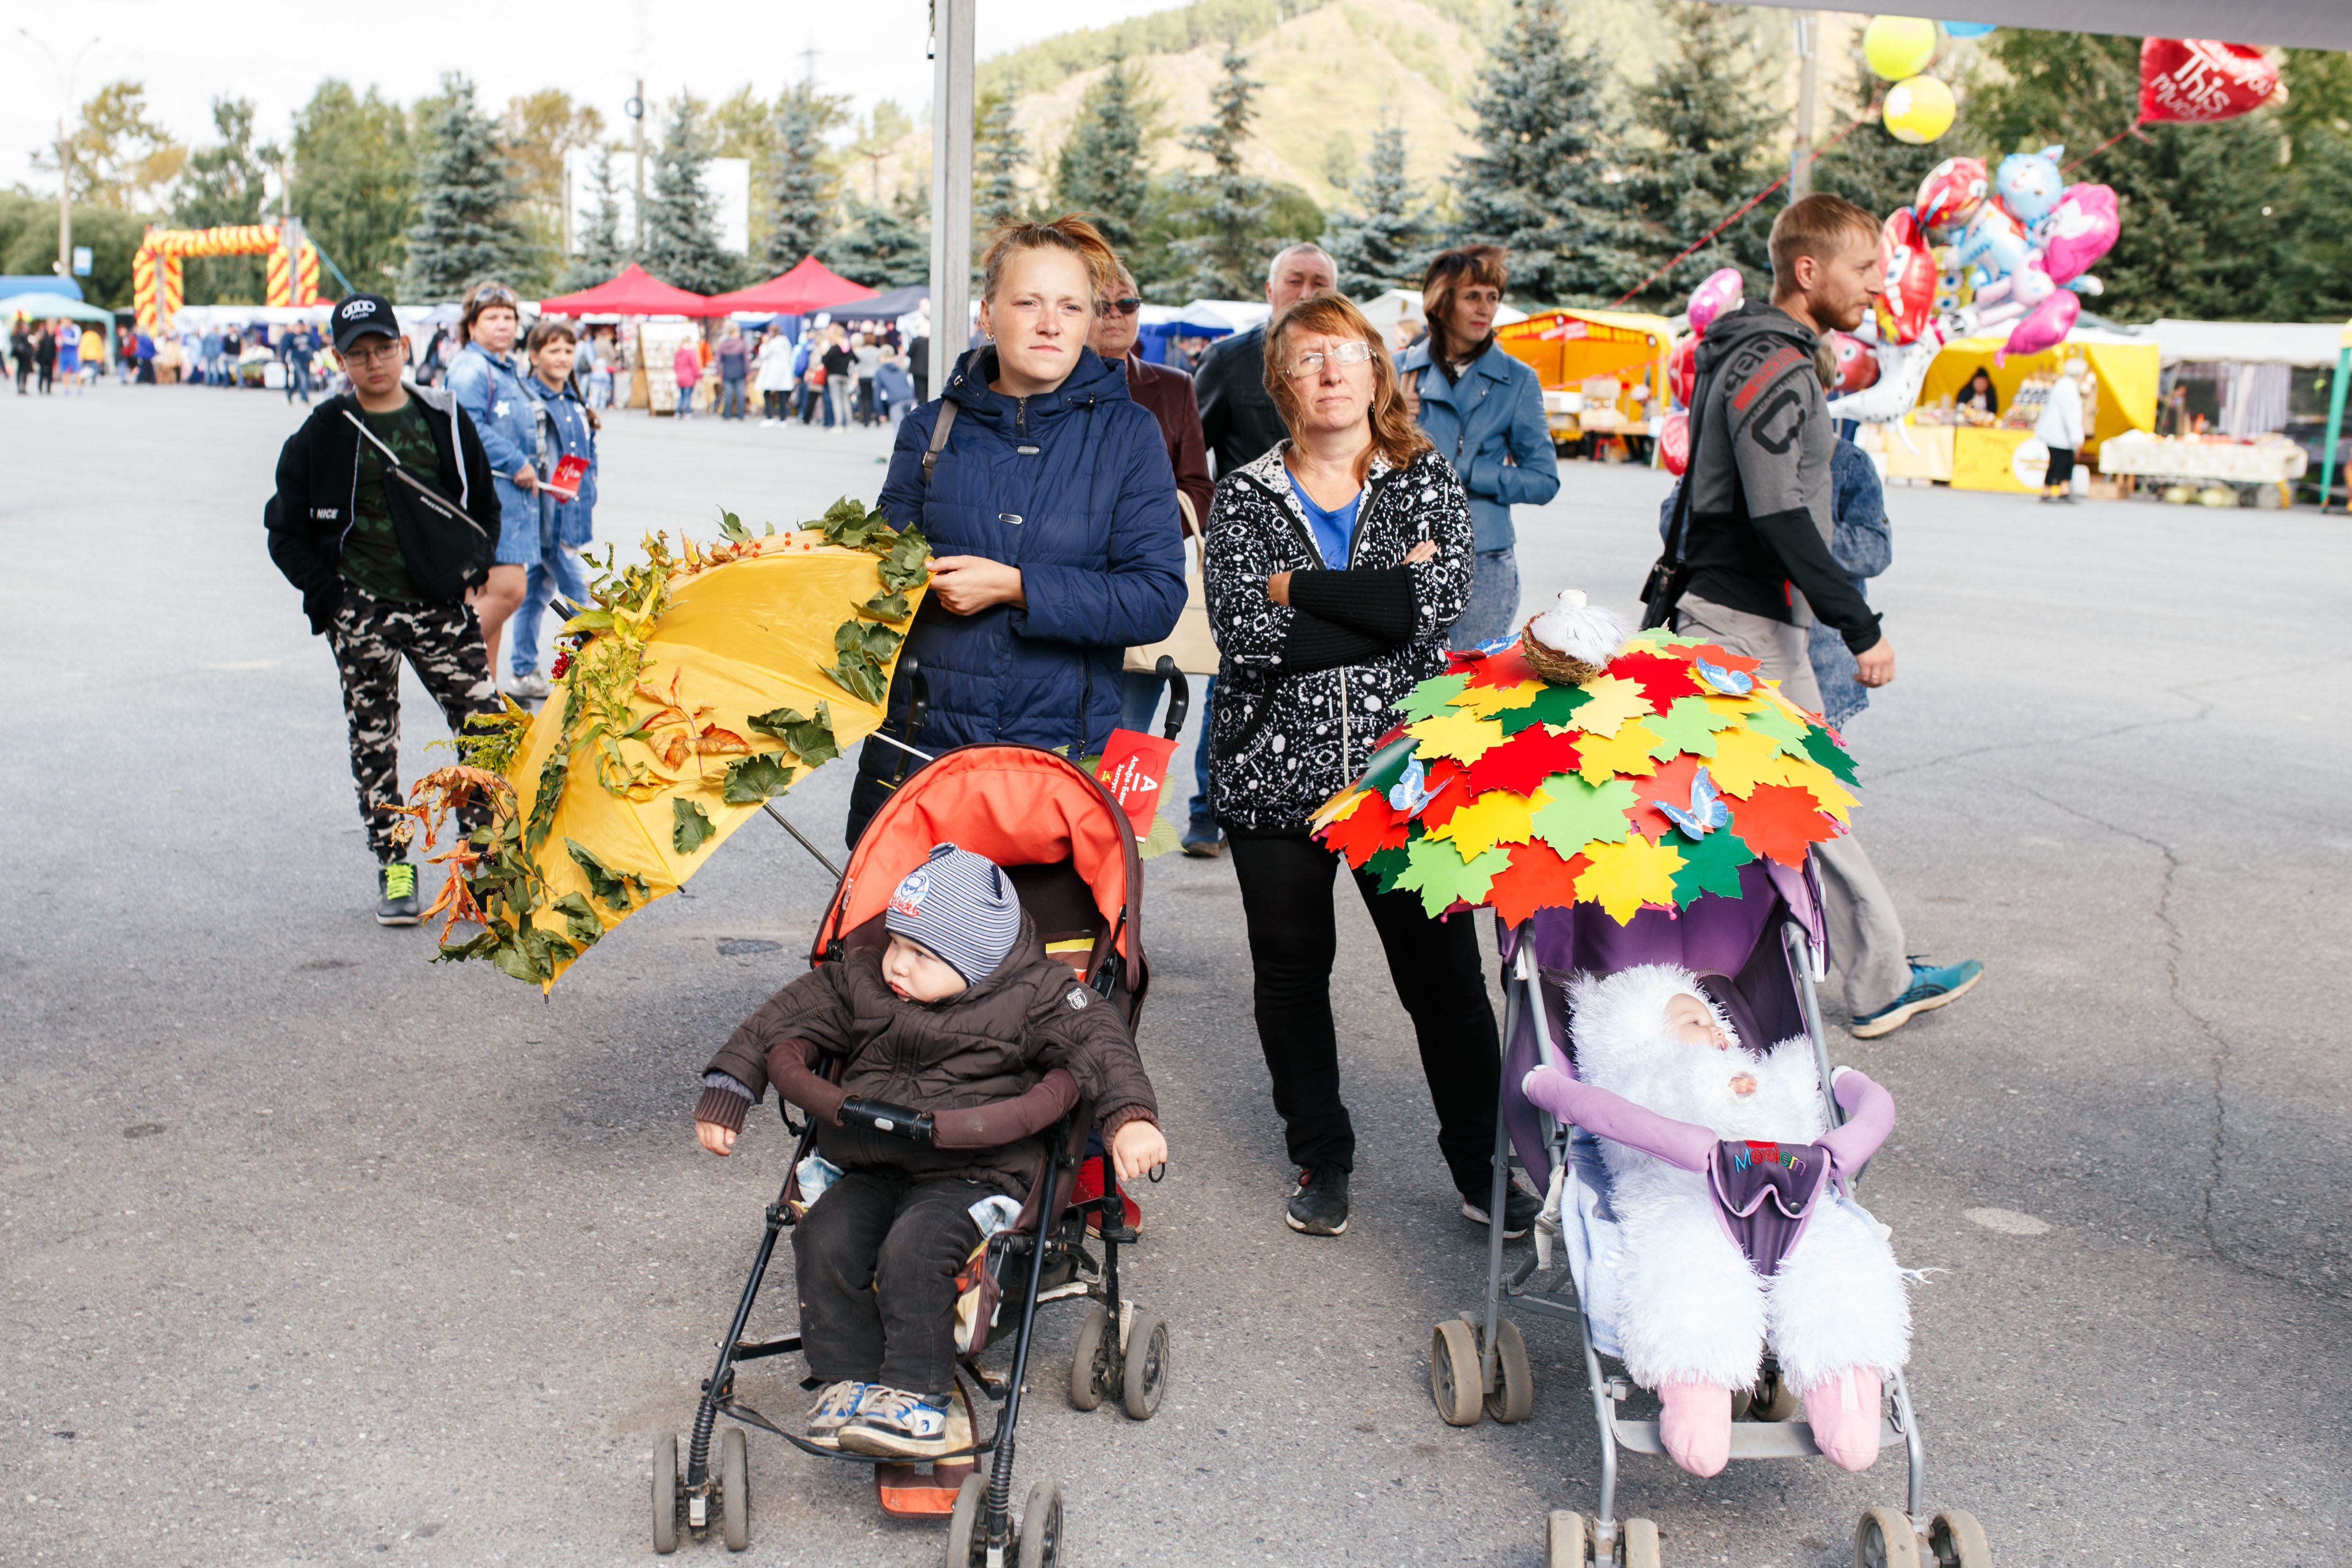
(811, 285)
(635, 293)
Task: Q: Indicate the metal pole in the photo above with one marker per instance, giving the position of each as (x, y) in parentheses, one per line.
(2336, 418)
(638, 205)
(65, 202)
(951, 106)
(1801, 164)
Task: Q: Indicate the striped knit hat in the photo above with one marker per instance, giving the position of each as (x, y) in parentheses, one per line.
(961, 907)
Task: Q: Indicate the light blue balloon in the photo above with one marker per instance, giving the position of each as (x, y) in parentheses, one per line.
(1967, 29)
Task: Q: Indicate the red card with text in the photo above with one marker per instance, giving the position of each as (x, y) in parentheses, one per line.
(1132, 768)
(564, 483)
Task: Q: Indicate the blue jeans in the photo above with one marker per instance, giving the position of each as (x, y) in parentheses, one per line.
(1139, 700)
(1493, 607)
(558, 571)
(731, 398)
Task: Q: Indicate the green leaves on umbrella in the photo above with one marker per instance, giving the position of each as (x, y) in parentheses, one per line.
(863, 646)
(1433, 697)
(812, 739)
(693, 829)
(851, 523)
(580, 921)
(613, 888)
(1831, 755)
(1554, 705)
(1710, 865)
(1579, 813)
(905, 563)
(755, 779)
(732, 527)
(552, 775)
(891, 607)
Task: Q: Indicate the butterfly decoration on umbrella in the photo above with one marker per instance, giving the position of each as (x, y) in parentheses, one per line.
(1646, 786)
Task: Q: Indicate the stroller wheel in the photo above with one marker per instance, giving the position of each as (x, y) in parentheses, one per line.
(1882, 1537)
(666, 1494)
(1453, 1380)
(966, 1534)
(1087, 1369)
(734, 1491)
(1958, 1541)
(1147, 1366)
(1566, 1544)
(1639, 1544)
(1040, 1526)
(1514, 1398)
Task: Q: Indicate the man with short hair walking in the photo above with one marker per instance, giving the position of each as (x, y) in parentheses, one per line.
(1756, 551)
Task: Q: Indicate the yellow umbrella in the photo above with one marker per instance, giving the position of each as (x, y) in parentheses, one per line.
(702, 684)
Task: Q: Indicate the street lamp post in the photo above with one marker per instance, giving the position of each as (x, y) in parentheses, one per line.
(64, 149)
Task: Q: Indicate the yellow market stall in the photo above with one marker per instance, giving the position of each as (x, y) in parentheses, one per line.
(1603, 372)
(2002, 458)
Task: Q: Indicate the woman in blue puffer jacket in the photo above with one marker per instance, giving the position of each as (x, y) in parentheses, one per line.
(488, 385)
(1484, 411)
(1051, 513)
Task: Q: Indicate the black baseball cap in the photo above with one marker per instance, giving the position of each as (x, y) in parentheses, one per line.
(361, 314)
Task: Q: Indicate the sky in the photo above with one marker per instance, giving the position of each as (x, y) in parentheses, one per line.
(275, 52)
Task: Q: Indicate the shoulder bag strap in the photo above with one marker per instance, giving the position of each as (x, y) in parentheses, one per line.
(939, 428)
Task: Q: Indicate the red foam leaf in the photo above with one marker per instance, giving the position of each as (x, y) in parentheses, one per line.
(1781, 820)
(1525, 761)
(1372, 827)
(1507, 669)
(1447, 794)
(1671, 784)
(1724, 658)
(1537, 878)
(1663, 676)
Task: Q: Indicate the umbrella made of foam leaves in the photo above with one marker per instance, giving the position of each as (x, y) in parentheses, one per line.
(733, 705)
(1644, 787)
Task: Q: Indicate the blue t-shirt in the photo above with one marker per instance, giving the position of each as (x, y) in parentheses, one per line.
(1332, 527)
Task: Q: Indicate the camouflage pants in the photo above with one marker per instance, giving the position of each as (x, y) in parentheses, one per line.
(443, 643)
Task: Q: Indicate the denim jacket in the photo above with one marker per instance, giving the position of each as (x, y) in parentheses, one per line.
(491, 393)
(1494, 412)
(565, 432)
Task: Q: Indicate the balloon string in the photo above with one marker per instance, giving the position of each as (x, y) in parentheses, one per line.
(2131, 129)
(1743, 209)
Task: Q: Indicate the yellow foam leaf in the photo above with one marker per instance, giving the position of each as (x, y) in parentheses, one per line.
(1465, 736)
(1609, 701)
(1627, 752)
(1488, 700)
(1745, 758)
(1835, 798)
(1339, 808)
(1624, 877)
(1497, 816)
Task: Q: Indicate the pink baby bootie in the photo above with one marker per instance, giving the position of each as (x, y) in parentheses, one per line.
(1843, 1410)
(1696, 1425)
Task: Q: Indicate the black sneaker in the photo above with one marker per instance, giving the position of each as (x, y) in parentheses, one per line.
(1520, 1208)
(395, 888)
(1319, 1207)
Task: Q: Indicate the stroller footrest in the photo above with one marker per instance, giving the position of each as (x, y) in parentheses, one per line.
(1749, 1439)
(747, 1350)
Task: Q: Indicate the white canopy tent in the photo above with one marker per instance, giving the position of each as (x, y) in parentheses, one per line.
(2249, 343)
(2307, 23)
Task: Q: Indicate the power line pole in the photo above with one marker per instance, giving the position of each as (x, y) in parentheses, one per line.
(1800, 166)
(951, 105)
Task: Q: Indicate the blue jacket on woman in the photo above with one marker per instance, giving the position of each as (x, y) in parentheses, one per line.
(1494, 412)
(570, 436)
(1073, 487)
(491, 393)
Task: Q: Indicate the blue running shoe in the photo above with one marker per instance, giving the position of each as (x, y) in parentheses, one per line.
(895, 1425)
(837, 1406)
(1931, 986)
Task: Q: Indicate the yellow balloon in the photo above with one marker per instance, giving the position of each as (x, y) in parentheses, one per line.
(1898, 46)
(1919, 110)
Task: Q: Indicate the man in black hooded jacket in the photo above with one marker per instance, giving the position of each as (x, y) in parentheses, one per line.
(384, 569)
(1757, 550)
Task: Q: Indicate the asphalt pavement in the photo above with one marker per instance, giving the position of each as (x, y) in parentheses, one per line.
(312, 1251)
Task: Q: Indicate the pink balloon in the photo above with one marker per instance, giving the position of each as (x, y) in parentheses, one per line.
(1682, 368)
(1674, 443)
(1857, 364)
(2046, 325)
(2082, 229)
(1718, 295)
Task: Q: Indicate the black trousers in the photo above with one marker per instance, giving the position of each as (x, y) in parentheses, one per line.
(878, 1257)
(2062, 468)
(1287, 897)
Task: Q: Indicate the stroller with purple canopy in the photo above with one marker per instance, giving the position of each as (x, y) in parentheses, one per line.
(1758, 956)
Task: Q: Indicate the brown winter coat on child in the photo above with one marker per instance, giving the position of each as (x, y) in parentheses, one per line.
(989, 1042)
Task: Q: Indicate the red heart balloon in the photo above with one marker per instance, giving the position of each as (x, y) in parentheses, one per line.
(2198, 80)
(1674, 443)
(1682, 368)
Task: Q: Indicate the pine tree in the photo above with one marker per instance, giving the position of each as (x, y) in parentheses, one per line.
(226, 183)
(885, 246)
(998, 152)
(1222, 260)
(1543, 181)
(1104, 168)
(1384, 244)
(466, 225)
(681, 214)
(800, 188)
(1708, 123)
(599, 251)
(1870, 168)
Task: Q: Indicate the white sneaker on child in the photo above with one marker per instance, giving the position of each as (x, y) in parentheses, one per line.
(895, 1425)
(837, 1405)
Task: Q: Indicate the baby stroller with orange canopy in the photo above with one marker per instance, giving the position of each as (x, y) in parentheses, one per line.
(1069, 849)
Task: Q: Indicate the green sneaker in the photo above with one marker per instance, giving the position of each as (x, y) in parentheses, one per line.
(396, 889)
(1932, 986)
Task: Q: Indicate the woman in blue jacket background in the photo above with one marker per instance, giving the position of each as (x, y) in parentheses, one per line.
(566, 428)
(489, 386)
(1484, 411)
(1051, 513)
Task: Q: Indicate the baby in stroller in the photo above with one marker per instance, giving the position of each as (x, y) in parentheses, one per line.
(1723, 1175)
(962, 1008)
